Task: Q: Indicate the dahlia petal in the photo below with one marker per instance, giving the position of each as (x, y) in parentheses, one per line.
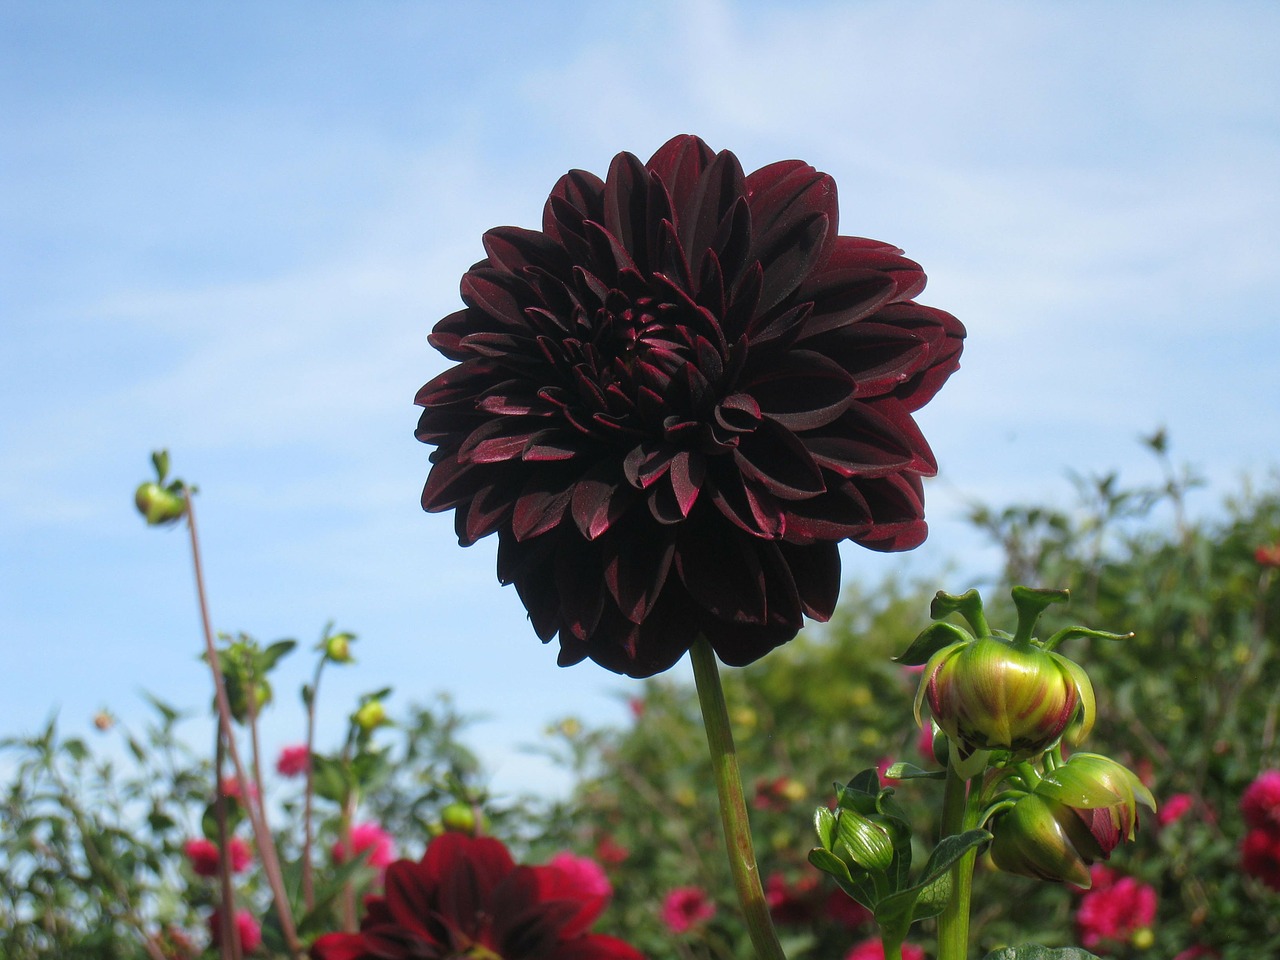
(626, 194)
(880, 357)
(552, 444)
(641, 650)
(577, 191)
(516, 250)
(449, 484)
(724, 579)
(496, 295)
(339, 946)
(597, 946)
(752, 509)
(541, 505)
(721, 189)
(816, 571)
(870, 439)
(789, 258)
(688, 470)
(488, 510)
(637, 569)
(457, 384)
(599, 500)
(732, 247)
(773, 456)
(447, 334)
(679, 164)
(840, 513)
(608, 251)
(785, 195)
(802, 390)
(529, 565)
(581, 589)
(408, 897)
(497, 440)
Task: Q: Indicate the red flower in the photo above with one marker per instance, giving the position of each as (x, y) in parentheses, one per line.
(371, 837)
(1174, 808)
(791, 903)
(846, 911)
(874, 950)
(675, 399)
(247, 930)
(610, 852)
(1116, 912)
(685, 908)
(204, 858)
(1260, 856)
(230, 787)
(293, 761)
(1268, 556)
(467, 897)
(1260, 802)
(583, 875)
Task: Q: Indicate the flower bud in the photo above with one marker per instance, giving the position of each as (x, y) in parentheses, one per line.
(1076, 815)
(994, 694)
(337, 648)
(370, 716)
(159, 505)
(461, 817)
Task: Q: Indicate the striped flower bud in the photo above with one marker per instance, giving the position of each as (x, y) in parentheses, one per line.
(996, 694)
(1075, 816)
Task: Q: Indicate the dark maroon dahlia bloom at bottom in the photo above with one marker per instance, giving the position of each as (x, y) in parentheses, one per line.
(673, 401)
(468, 899)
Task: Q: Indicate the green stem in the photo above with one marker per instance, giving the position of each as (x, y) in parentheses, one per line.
(953, 924)
(733, 807)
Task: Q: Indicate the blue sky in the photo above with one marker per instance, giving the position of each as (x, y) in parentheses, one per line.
(227, 229)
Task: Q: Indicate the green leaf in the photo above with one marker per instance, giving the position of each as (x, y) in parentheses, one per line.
(824, 822)
(909, 771)
(330, 778)
(1033, 951)
(271, 656)
(937, 636)
(75, 749)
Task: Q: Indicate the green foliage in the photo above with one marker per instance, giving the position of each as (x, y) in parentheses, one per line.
(1191, 702)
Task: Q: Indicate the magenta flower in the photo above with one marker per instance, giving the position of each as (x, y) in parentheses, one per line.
(247, 929)
(685, 908)
(468, 898)
(675, 399)
(874, 950)
(1113, 914)
(1260, 802)
(203, 856)
(370, 837)
(1260, 856)
(293, 761)
(1175, 808)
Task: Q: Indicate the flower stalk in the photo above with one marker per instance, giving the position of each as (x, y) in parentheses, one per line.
(733, 807)
(953, 923)
(261, 833)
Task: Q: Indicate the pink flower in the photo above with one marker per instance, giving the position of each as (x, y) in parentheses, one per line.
(1260, 856)
(584, 875)
(685, 908)
(203, 855)
(247, 929)
(293, 761)
(1260, 803)
(874, 950)
(1116, 912)
(371, 837)
(790, 902)
(1174, 808)
(230, 787)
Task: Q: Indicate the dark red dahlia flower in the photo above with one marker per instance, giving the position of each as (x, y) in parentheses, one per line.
(468, 899)
(676, 398)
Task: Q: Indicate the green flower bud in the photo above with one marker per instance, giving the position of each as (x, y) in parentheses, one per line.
(994, 693)
(159, 505)
(1076, 815)
(338, 648)
(461, 817)
(370, 716)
